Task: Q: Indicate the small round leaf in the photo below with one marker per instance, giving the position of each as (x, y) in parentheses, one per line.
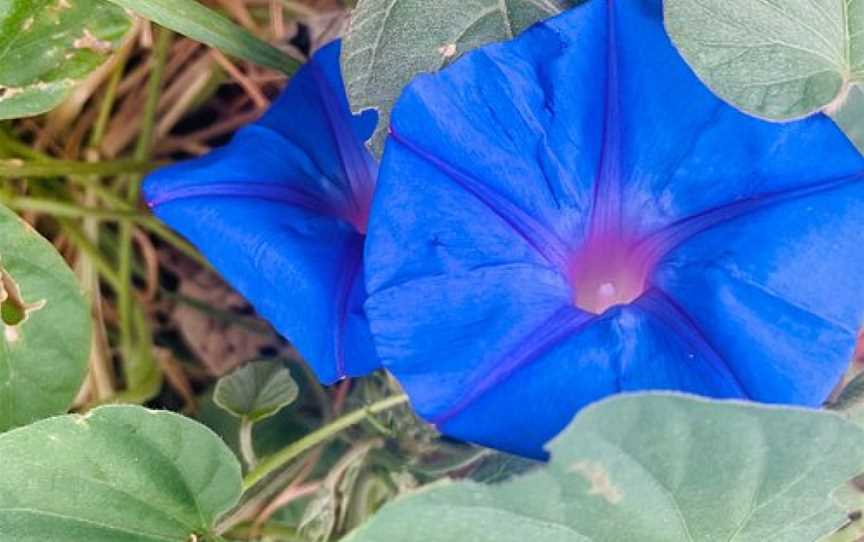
(257, 390)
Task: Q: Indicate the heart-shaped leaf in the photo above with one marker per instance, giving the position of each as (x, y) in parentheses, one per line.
(657, 467)
(391, 41)
(48, 46)
(778, 59)
(270, 436)
(257, 390)
(45, 339)
(120, 474)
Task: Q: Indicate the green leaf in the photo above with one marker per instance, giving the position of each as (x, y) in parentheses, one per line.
(194, 20)
(776, 59)
(257, 390)
(270, 436)
(850, 116)
(48, 46)
(45, 339)
(119, 474)
(389, 42)
(668, 467)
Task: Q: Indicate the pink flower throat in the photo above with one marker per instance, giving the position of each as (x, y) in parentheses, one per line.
(609, 269)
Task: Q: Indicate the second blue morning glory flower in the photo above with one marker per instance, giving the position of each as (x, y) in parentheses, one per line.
(573, 214)
(281, 212)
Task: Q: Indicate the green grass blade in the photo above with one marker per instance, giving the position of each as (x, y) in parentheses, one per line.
(196, 21)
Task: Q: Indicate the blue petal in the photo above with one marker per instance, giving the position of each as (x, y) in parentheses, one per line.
(627, 349)
(281, 213)
(438, 281)
(779, 292)
(519, 414)
(500, 168)
(502, 112)
(681, 150)
(313, 113)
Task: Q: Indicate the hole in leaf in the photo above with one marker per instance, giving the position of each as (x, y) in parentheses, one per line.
(12, 313)
(13, 310)
(9, 92)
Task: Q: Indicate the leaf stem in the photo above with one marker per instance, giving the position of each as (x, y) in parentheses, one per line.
(92, 264)
(11, 144)
(851, 532)
(125, 309)
(247, 446)
(89, 249)
(249, 531)
(64, 168)
(97, 135)
(62, 209)
(289, 453)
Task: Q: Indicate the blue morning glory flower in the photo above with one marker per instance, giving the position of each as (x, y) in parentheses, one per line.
(281, 212)
(573, 214)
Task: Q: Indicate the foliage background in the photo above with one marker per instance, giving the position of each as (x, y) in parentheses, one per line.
(165, 327)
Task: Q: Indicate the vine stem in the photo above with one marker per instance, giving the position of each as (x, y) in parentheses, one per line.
(289, 453)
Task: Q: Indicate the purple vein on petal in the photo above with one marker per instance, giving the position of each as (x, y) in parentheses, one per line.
(606, 211)
(538, 236)
(655, 245)
(564, 323)
(350, 275)
(360, 180)
(276, 192)
(657, 304)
